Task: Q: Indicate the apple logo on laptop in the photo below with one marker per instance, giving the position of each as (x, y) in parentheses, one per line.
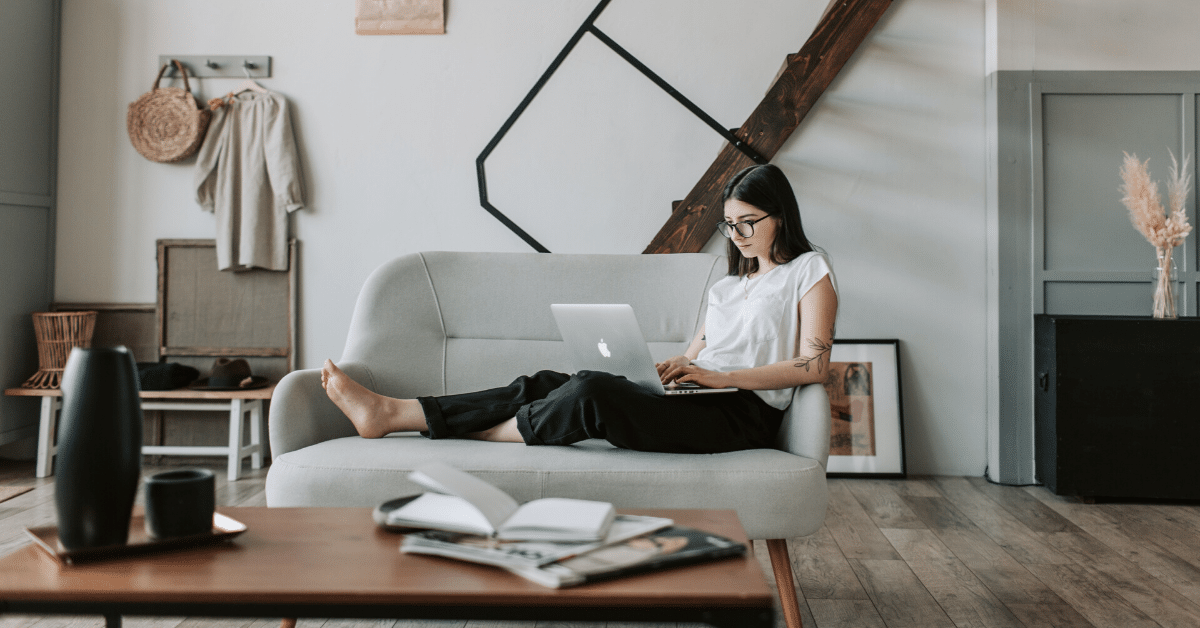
(604, 349)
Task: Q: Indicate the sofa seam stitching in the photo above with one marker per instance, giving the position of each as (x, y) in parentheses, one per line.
(371, 376)
(703, 298)
(437, 304)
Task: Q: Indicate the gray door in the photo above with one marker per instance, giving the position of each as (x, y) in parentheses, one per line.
(28, 115)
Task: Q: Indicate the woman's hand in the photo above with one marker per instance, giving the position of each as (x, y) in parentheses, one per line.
(680, 369)
(668, 369)
(692, 374)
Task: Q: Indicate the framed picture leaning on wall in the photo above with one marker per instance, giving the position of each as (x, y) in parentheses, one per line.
(867, 433)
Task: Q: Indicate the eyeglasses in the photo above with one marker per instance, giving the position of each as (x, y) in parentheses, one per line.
(744, 228)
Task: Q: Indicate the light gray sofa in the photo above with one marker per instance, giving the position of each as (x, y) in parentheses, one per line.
(441, 322)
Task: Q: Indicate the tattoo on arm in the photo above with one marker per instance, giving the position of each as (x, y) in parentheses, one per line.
(822, 347)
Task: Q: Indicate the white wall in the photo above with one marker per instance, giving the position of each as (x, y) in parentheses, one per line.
(889, 167)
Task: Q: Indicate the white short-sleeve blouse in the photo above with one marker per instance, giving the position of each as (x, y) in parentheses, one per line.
(756, 322)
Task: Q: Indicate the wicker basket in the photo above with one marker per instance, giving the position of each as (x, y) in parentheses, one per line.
(57, 333)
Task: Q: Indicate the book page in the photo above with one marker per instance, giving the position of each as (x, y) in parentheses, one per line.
(493, 503)
(577, 516)
(443, 512)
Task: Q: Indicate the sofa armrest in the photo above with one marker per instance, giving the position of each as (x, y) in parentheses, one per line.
(302, 414)
(806, 424)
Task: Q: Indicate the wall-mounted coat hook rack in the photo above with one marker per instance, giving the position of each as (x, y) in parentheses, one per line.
(219, 66)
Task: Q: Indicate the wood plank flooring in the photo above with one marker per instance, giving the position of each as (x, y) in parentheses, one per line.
(925, 552)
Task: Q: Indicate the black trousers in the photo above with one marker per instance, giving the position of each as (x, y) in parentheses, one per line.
(557, 409)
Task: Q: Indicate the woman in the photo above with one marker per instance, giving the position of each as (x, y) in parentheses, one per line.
(769, 328)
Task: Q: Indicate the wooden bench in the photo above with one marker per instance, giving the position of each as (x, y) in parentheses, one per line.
(201, 314)
(237, 403)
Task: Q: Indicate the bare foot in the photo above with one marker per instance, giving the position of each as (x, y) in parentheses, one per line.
(505, 432)
(373, 415)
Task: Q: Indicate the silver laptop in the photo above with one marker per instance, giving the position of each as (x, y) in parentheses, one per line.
(607, 338)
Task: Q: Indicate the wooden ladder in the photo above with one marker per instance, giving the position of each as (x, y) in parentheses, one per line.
(803, 79)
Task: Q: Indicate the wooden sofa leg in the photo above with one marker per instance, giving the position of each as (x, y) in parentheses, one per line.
(781, 564)
(287, 622)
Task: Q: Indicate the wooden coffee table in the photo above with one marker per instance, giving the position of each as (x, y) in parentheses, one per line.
(335, 562)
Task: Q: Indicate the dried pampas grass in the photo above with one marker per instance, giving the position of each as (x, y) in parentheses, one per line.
(1162, 229)
(1165, 230)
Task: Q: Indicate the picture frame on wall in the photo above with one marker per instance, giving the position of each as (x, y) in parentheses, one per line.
(867, 419)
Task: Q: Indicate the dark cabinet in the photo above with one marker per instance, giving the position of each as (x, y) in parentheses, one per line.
(1116, 409)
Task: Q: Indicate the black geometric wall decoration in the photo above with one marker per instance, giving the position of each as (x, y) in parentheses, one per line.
(589, 26)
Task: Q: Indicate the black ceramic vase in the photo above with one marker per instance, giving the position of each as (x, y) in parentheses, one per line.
(99, 459)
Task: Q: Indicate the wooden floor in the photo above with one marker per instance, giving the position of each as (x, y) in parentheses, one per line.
(925, 552)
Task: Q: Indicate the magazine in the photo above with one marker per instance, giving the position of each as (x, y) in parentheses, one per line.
(670, 547)
(464, 503)
(491, 551)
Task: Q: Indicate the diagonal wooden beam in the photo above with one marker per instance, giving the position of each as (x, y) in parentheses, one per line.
(808, 73)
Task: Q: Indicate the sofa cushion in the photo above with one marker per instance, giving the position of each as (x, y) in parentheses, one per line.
(447, 322)
(359, 472)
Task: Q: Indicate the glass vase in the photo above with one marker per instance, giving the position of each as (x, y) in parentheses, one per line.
(1166, 286)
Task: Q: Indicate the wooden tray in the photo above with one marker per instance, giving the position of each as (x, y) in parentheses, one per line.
(46, 537)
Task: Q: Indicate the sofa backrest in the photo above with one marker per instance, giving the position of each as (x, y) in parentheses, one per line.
(447, 322)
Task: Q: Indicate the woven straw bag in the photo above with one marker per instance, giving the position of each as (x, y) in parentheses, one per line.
(167, 124)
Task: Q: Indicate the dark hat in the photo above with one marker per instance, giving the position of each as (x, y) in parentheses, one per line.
(165, 376)
(230, 375)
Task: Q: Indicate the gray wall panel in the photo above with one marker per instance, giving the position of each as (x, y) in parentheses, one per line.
(1084, 136)
(28, 59)
(1110, 298)
(1192, 256)
(1011, 437)
(24, 248)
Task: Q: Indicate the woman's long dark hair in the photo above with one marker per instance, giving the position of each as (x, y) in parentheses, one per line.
(767, 188)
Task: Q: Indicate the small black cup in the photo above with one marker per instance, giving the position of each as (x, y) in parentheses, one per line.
(180, 503)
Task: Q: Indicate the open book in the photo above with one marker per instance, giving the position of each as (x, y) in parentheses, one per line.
(463, 503)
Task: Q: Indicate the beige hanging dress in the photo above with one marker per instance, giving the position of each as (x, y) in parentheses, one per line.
(248, 175)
